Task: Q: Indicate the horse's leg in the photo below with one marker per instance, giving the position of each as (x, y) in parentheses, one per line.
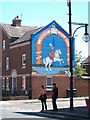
(59, 60)
(46, 67)
(62, 60)
(49, 66)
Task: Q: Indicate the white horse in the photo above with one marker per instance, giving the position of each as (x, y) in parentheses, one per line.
(48, 62)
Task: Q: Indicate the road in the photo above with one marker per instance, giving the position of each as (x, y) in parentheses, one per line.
(29, 109)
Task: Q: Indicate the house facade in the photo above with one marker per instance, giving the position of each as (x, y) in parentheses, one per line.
(11, 63)
(32, 57)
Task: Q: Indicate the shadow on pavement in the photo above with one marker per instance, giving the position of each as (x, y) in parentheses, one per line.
(79, 113)
(77, 110)
(37, 114)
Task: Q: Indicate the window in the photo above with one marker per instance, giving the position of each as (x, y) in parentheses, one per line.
(24, 61)
(7, 83)
(4, 45)
(3, 83)
(49, 82)
(23, 83)
(7, 63)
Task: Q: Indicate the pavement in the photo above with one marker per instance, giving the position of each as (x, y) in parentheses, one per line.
(80, 112)
(80, 109)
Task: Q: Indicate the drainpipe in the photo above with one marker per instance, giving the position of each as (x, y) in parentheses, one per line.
(30, 68)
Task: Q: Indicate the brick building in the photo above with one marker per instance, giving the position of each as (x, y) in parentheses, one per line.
(25, 51)
(11, 61)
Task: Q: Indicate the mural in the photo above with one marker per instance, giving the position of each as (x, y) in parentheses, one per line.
(53, 57)
(50, 49)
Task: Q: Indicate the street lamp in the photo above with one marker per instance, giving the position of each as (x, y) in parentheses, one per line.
(85, 38)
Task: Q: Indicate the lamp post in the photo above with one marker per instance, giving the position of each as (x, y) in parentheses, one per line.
(86, 39)
(71, 68)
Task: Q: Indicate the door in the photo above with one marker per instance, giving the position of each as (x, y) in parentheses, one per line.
(14, 86)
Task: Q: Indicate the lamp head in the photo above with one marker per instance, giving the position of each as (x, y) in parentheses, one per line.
(86, 37)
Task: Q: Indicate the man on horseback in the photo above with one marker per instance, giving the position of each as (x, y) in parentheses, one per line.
(51, 56)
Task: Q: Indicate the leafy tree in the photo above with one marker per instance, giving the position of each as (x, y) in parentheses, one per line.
(79, 69)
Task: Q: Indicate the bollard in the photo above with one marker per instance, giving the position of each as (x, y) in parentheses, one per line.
(87, 102)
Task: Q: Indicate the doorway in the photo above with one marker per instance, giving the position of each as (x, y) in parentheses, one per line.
(14, 81)
(14, 86)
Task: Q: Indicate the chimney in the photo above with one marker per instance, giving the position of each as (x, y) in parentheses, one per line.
(16, 22)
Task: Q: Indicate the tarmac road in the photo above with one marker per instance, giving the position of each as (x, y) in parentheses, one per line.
(30, 110)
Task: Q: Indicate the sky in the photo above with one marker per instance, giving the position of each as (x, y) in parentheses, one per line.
(38, 13)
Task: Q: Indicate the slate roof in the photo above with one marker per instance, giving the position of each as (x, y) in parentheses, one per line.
(17, 31)
(87, 60)
(26, 36)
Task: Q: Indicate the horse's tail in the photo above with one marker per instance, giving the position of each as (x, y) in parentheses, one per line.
(44, 60)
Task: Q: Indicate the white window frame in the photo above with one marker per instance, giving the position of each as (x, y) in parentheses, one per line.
(7, 63)
(49, 87)
(4, 45)
(7, 83)
(3, 83)
(23, 83)
(24, 61)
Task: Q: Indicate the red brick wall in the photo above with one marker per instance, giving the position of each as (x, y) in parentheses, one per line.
(37, 81)
(82, 87)
(16, 61)
(5, 53)
(61, 81)
(89, 88)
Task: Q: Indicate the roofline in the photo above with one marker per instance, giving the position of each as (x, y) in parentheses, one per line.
(4, 30)
(23, 35)
(19, 42)
(66, 33)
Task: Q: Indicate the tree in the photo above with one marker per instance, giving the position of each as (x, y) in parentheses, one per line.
(79, 69)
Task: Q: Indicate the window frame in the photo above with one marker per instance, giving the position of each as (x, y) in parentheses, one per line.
(23, 59)
(4, 45)
(7, 63)
(7, 83)
(49, 87)
(3, 83)
(23, 83)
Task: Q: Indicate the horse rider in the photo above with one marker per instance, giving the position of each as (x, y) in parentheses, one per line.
(51, 56)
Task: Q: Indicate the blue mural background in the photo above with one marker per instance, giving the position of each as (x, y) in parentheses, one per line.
(58, 43)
